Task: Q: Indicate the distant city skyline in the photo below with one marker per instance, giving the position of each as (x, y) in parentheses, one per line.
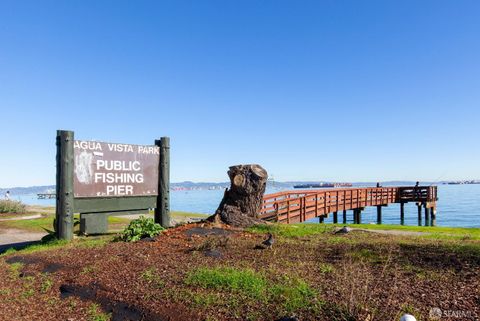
(333, 91)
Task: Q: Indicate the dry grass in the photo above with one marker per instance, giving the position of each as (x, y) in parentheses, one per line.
(12, 207)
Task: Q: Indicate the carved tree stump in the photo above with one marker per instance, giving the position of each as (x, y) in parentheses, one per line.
(242, 202)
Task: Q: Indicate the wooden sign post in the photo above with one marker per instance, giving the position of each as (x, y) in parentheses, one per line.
(64, 210)
(162, 212)
(97, 179)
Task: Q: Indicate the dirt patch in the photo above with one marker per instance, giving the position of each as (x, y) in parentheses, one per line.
(9, 237)
(203, 231)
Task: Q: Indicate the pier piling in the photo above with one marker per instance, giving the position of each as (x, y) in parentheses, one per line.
(419, 208)
(335, 217)
(427, 215)
(357, 216)
(433, 213)
(344, 217)
(379, 214)
(402, 213)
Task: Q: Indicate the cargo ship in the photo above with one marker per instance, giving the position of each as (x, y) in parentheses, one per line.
(323, 185)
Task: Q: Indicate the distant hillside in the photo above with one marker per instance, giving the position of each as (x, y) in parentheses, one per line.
(28, 190)
(210, 185)
(189, 184)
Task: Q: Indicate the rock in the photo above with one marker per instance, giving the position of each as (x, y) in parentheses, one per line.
(407, 317)
(344, 230)
(288, 319)
(213, 253)
(148, 239)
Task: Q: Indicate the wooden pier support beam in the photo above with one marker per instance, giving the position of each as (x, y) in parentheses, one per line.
(379, 214)
(162, 211)
(433, 213)
(335, 217)
(427, 215)
(64, 189)
(419, 208)
(344, 217)
(402, 213)
(321, 219)
(357, 216)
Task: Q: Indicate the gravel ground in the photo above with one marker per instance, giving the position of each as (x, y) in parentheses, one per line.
(9, 237)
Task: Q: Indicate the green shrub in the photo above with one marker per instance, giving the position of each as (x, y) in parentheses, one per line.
(9, 206)
(140, 228)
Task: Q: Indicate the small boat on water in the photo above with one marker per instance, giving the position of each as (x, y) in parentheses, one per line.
(323, 185)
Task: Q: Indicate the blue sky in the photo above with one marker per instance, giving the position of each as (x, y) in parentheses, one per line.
(311, 90)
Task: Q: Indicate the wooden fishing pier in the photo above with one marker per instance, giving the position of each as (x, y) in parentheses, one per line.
(303, 205)
(45, 196)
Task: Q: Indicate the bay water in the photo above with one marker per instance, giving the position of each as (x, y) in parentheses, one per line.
(458, 206)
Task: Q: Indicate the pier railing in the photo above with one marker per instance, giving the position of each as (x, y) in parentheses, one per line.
(302, 205)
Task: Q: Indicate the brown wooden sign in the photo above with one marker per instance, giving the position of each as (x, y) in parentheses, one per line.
(114, 170)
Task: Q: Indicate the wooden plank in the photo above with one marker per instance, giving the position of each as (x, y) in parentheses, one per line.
(288, 211)
(112, 204)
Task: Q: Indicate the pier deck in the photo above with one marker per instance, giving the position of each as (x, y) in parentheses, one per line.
(301, 205)
(44, 196)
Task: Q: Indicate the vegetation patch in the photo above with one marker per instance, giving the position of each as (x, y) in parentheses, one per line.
(341, 240)
(435, 232)
(89, 269)
(46, 284)
(326, 268)
(152, 277)
(37, 225)
(14, 207)
(55, 244)
(293, 294)
(96, 314)
(285, 293)
(15, 269)
(367, 255)
(139, 229)
(246, 281)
